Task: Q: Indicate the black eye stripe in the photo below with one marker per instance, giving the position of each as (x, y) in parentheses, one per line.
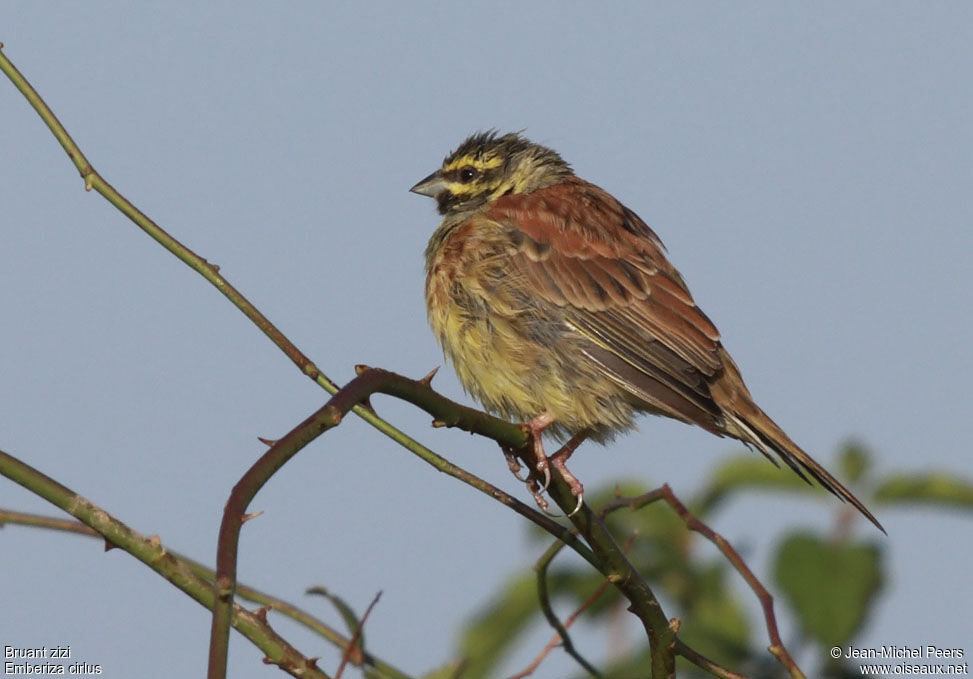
(462, 175)
(484, 177)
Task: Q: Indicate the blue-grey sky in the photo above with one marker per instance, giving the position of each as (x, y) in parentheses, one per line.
(810, 168)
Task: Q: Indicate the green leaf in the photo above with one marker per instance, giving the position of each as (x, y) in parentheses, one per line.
(829, 585)
(451, 670)
(744, 472)
(939, 488)
(490, 635)
(347, 613)
(714, 621)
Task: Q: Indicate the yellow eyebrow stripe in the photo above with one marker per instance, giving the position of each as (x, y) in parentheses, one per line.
(473, 161)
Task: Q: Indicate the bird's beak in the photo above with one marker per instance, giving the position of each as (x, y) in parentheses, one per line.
(431, 186)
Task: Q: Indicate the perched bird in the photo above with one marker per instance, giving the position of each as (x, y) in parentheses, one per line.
(557, 306)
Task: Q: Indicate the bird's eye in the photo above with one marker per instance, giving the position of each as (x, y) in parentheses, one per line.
(467, 174)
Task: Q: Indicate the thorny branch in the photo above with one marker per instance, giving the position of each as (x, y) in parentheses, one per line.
(694, 524)
(600, 549)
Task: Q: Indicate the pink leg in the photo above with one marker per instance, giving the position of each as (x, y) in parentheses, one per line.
(535, 427)
(513, 464)
(559, 461)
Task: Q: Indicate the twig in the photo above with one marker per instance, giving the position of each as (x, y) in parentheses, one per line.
(369, 381)
(561, 636)
(302, 617)
(560, 630)
(776, 648)
(151, 552)
(702, 661)
(603, 553)
(93, 180)
(356, 638)
(615, 566)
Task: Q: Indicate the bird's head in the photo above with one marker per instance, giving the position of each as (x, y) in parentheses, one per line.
(487, 166)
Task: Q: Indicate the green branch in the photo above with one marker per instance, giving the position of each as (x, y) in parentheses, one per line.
(369, 381)
(151, 552)
(603, 553)
(269, 602)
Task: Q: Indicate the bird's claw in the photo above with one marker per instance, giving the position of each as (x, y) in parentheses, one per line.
(538, 478)
(514, 466)
(578, 506)
(542, 503)
(546, 470)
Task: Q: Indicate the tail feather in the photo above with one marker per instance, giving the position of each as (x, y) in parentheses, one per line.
(757, 429)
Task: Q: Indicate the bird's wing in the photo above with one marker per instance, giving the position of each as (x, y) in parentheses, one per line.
(577, 247)
(580, 249)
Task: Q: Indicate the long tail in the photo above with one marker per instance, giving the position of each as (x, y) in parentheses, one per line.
(747, 422)
(758, 429)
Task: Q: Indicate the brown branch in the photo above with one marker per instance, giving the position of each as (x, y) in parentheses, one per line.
(151, 552)
(615, 566)
(777, 648)
(244, 591)
(233, 518)
(561, 636)
(702, 661)
(368, 382)
(603, 553)
(560, 630)
(355, 645)
(601, 550)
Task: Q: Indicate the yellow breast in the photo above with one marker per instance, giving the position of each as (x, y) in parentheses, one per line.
(477, 310)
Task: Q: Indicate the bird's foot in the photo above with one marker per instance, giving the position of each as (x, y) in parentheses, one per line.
(538, 494)
(513, 464)
(535, 429)
(538, 478)
(531, 479)
(559, 461)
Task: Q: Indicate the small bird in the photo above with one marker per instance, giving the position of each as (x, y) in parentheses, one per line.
(558, 307)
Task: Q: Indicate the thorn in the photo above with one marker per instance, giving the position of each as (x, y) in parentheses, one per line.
(247, 517)
(109, 546)
(267, 442)
(361, 369)
(438, 424)
(427, 380)
(268, 661)
(261, 613)
(313, 662)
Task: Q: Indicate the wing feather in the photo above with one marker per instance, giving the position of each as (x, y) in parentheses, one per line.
(581, 250)
(577, 248)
